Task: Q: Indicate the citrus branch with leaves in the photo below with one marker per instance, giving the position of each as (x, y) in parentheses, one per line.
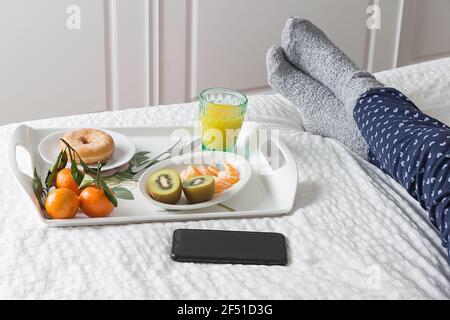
(84, 178)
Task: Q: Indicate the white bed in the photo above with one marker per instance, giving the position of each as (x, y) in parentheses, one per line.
(353, 232)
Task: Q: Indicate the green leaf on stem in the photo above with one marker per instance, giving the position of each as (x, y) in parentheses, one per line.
(87, 181)
(108, 192)
(38, 189)
(77, 175)
(63, 161)
(122, 193)
(139, 157)
(60, 163)
(125, 175)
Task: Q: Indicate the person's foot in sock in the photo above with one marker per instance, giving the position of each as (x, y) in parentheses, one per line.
(321, 111)
(310, 50)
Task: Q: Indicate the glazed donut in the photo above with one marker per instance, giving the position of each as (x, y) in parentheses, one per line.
(92, 145)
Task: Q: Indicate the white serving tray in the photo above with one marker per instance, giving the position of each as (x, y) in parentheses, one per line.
(270, 193)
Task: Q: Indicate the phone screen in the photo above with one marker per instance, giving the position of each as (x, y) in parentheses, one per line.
(218, 246)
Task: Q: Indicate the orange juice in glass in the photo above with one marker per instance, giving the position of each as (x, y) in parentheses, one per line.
(222, 113)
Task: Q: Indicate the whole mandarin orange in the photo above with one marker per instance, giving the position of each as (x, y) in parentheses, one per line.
(64, 179)
(62, 203)
(95, 203)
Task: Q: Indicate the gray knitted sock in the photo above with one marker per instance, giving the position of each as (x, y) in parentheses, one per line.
(321, 111)
(310, 50)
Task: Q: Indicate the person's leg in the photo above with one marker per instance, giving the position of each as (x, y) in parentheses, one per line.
(310, 50)
(322, 112)
(411, 147)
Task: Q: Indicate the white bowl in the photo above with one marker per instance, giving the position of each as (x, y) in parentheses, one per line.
(179, 163)
(123, 152)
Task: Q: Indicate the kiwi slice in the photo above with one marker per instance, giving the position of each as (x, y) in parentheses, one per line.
(199, 189)
(164, 186)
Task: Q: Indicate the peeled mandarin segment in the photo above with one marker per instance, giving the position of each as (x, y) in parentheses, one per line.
(184, 175)
(217, 189)
(225, 176)
(222, 184)
(217, 185)
(212, 173)
(203, 170)
(213, 170)
(231, 169)
(188, 173)
(192, 171)
(195, 170)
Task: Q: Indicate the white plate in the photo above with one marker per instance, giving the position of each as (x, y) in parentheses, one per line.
(124, 149)
(204, 158)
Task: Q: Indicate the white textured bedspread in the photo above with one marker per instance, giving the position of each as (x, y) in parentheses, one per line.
(353, 232)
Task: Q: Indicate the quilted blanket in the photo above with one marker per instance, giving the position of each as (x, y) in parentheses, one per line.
(353, 232)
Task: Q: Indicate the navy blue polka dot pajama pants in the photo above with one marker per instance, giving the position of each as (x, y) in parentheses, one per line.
(411, 147)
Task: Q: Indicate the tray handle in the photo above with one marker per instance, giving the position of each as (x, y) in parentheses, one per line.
(291, 164)
(283, 178)
(20, 137)
(251, 134)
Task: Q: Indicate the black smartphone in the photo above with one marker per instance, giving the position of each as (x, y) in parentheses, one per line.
(219, 246)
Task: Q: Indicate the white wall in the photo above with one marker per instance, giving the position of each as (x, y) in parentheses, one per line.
(147, 52)
(425, 31)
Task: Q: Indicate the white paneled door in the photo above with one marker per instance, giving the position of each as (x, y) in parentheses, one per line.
(61, 57)
(230, 38)
(47, 69)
